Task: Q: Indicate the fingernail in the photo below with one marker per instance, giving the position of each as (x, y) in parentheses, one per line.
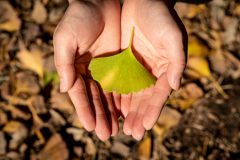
(178, 83)
(62, 85)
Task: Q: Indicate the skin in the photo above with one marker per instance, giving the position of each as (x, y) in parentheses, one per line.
(94, 28)
(160, 44)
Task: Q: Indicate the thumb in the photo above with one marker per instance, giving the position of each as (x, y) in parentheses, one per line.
(176, 48)
(64, 56)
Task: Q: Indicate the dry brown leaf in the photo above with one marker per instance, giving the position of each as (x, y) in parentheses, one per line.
(39, 13)
(186, 96)
(89, 145)
(237, 10)
(49, 29)
(3, 143)
(74, 121)
(13, 24)
(193, 10)
(218, 62)
(199, 65)
(217, 10)
(17, 131)
(56, 13)
(56, 121)
(27, 83)
(39, 104)
(9, 20)
(62, 102)
(31, 60)
(17, 113)
(55, 149)
(76, 132)
(169, 117)
(120, 149)
(48, 64)
(3, 117)
(45, 2)
(6, 11)
(231, 31)
(144, 149)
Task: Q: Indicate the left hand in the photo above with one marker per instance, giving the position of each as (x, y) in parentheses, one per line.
(160, 45)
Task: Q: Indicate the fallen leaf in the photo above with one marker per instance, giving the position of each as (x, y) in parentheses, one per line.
(199, 66)
(89, 145)
(144, 149)
(18, 133)
(186, 96)
(231, 31)
(3, 117)
(39, 13)
(218, 62)
(31, 60)
(195, 47)
(17, 113)
(78, 150)
(122, 72)
(193, 10)
(3, 143)
(13, 24)
(7, 11)
(55, 148)
(13, 155)
(74, 121)
(39, 104)
(56, 120)
(217, 10)
(56, 14)
(169, 117)
(120, 149)
(48, 64)
(27, 83)
(76, 132)
(62, 102)
(47, 28)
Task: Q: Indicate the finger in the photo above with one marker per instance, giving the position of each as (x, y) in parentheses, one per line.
(79, 97)
(102, 128)
(132, 112)
(117, 102)
(125, 104)
(160, 95)
(64, 55)
(110, 111)
(138, 129)
(176, 48)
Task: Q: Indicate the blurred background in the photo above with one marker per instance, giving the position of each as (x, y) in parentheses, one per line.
(200, 121)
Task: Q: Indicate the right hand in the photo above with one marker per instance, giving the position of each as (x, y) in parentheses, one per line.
(89, 29)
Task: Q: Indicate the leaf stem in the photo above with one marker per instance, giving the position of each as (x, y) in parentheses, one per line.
(130, 43)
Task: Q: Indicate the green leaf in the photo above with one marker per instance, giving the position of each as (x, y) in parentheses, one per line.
(122, 72)
(49, 77)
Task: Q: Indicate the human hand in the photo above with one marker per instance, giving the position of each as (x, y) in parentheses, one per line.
(160, 45)
(89, 29)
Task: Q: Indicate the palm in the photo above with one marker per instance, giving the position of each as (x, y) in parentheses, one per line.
(155, 27)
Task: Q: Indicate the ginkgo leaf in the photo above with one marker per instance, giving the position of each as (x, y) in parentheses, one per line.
(122, 72)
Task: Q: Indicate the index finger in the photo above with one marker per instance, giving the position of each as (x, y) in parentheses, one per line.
(160, 95)
(79, 97)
